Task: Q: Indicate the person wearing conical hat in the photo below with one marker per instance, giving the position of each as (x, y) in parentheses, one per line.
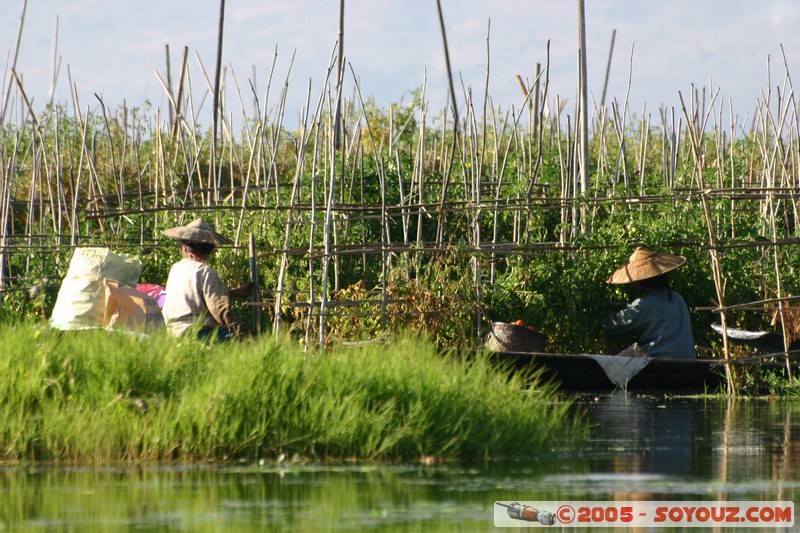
(196, 298)
(659, 318)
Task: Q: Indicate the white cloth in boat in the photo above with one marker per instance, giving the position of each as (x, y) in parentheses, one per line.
(620, 369)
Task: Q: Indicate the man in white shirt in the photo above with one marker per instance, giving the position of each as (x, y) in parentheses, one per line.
(196, 298)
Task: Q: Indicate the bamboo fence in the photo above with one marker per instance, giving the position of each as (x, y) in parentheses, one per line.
(75, 178)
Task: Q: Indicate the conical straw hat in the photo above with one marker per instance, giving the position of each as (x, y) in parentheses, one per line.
(644, 264)
(197, 231)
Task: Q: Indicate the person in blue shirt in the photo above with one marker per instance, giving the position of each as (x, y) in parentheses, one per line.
(659, 318)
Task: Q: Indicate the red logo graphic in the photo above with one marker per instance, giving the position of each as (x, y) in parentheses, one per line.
(565, 514)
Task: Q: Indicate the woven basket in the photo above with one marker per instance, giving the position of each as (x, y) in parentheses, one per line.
(504, 337)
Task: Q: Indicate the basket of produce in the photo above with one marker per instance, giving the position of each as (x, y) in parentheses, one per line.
(515, 337)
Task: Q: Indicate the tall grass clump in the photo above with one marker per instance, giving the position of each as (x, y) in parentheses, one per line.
(99, 396)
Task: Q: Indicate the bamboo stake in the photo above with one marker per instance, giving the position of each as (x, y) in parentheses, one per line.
(172, 110)
(7, 95)
(419, 167)
(56, 66)
(540, 121)
(383, 218)
(254, 278)
(536, 119)
(478, 194)
(454, 108)
(5, 208)
(644, 139)
(77, 190)
(120, 193)
(30, 223)
(305, 135)
(339, 79)
(217, 104)
(176, 104)
(332, 183)
(311, 233)
(608, 68)
(583, 107)
(62, 197)
(716, 270)
(774, 206)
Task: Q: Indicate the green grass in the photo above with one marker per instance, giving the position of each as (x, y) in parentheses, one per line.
(99, 396)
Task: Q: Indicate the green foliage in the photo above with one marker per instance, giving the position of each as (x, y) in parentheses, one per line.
(432, 297)
(102, 396)
(454, 230)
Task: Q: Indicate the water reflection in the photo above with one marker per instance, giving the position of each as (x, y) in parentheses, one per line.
(642, 448)
(681, 448)
(643, 437)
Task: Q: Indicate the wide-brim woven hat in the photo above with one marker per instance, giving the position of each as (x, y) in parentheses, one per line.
(645, 264)
(197, 231)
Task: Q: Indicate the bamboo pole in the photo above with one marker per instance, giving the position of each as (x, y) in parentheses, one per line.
(608, 68)
(311, 233)
(454, 108)
(254, 279)
(383, 218)
(420, 167)
(77, 190)
(305, 134)
(172, 110)
(5, 209)
(56, 66)
(583, 107)
(695, 137)
(331, 193)
(217, 104)
(176, 104)
(773, 205)
(540, 134)
(7, 95)
(62, 197)
(479, 167)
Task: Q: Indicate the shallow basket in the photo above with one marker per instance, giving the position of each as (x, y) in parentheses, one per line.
(505, 337)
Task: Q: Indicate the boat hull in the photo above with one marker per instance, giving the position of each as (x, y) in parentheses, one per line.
(585, 373)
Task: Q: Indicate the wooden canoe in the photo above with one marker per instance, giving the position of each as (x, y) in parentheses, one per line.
(585, 372)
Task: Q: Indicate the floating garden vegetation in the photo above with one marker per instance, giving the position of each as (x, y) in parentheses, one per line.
(97, 396)
(369, 221)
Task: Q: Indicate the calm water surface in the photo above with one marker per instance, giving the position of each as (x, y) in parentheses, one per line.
(642, 449)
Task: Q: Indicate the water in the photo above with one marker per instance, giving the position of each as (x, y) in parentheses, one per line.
(642, 449)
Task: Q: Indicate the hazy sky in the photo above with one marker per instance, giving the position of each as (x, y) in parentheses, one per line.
(394, 45)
